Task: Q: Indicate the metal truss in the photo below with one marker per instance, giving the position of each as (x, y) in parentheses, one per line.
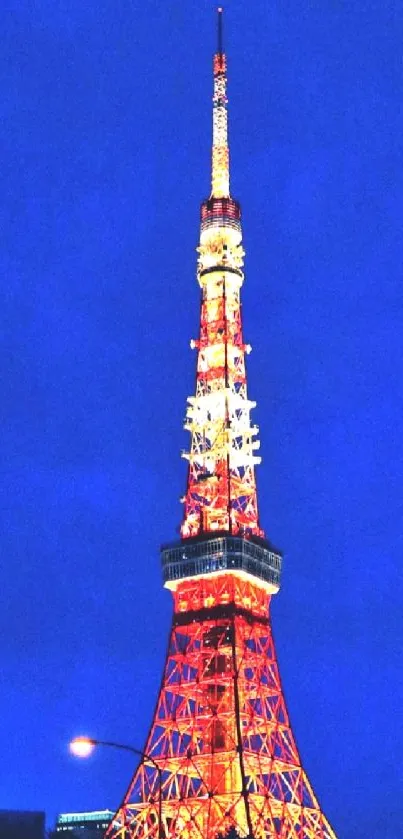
(221, 489)
(221, 733)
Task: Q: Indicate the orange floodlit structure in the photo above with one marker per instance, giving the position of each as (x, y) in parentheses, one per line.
(221, 736)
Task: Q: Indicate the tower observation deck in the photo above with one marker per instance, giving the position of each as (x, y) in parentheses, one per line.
(221, 734)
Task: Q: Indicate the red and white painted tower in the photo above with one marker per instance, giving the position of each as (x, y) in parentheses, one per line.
(222, 752)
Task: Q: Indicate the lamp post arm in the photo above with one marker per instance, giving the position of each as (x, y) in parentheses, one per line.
(125, 748)
(144, 756)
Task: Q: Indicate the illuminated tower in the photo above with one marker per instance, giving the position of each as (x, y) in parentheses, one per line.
(221, 736)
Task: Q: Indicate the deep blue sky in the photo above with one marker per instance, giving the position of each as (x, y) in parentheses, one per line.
(105, 148)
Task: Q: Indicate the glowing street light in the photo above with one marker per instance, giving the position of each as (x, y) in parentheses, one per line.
(84, 746)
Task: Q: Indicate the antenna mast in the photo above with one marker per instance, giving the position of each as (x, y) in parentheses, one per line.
(220, 155)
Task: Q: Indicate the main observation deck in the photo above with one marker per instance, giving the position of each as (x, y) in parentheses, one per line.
(250, 557)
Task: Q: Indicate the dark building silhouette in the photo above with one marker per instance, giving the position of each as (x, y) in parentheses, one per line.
(22, 824)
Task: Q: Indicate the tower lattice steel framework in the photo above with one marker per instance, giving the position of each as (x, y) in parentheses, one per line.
(221, 735)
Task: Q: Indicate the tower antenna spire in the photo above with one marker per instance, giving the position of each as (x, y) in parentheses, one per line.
(220, 156)
(219, 30)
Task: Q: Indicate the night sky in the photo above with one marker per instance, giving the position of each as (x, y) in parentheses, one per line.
(105, 148)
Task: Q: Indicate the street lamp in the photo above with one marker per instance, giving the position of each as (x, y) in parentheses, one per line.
(84, 746)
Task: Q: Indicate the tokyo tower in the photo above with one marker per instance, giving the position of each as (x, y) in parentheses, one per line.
(220, 755)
